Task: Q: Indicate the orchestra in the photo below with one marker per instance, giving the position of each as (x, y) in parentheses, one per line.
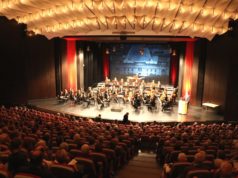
(134, 91)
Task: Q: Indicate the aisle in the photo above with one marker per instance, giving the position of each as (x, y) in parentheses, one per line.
(142, 166)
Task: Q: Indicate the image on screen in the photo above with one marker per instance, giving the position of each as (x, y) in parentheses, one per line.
(150, 61)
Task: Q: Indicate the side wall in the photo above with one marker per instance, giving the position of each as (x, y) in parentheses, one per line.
(27, 67)
(221, 77)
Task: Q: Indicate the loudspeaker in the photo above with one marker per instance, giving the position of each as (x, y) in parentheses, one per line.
(123, 37)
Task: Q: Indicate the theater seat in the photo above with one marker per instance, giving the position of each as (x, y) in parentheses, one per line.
(178, 169)
(26, 175)
(100, 158)
(86, 167)
(3, 173)
(199, 174)
(62, 171)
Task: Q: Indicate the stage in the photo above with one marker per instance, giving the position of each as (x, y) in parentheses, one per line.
(195, 114)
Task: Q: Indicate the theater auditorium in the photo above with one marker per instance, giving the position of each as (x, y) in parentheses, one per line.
(118, 88)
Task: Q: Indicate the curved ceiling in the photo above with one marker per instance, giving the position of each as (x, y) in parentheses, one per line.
(58, 18)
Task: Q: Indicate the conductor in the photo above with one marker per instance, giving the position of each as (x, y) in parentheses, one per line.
(125, 118)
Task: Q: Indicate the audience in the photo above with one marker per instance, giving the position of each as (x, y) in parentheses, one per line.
(34, 140)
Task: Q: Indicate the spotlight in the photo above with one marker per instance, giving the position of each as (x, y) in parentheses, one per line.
(107, 51)
(30, 33)
(88, 48)
(114, 49)
(141, 51)
(173, 52)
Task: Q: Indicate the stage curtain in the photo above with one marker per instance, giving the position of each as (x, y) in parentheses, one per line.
(188, 65)
(106, 67)
(174, 69)
(71, 64)
(93, 65)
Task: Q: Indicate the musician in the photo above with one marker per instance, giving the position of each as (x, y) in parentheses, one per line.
(152, 103)
(166, 102)
(85, 99)
(100, 101)
(66, 93)
(77, 97)
(71, 94)
(174, 95)
(61, 97)
(136, 101)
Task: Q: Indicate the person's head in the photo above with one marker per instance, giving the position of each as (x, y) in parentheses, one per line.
(217, 163)
(36, 157)
(199, 157)
(85, 149)
(226, 168)
(64, 145)
(182, 157)
(41, 143)
(76, 138)
(62, 156)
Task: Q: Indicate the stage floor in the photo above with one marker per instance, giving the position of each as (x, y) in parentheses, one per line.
(195, 114)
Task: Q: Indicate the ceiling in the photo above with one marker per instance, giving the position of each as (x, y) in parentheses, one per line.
(59, 18)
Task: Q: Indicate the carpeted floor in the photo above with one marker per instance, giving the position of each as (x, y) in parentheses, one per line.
(143, 165)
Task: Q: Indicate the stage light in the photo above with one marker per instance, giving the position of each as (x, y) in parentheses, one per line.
(107, 51)
(141, 51)
(88, 48)
(30, 33)
(173, 52)
(114, 49)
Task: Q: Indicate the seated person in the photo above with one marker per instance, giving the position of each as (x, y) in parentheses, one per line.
(100, 101)
(173, 171)
(226, 170)
(166, 103)
(152, 103)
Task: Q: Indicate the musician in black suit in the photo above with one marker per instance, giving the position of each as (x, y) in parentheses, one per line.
(136, 102)
(152, 103)
(100, 101)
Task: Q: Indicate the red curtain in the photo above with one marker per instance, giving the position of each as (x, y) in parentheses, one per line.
(71, 64)
(188, 65)
(174, 69)
(106, 68)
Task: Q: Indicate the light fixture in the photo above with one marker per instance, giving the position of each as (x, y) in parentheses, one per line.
(141, 51)
(114, 49)
(173, 52)
(107, 51)
(88, 48)
(30, 33)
